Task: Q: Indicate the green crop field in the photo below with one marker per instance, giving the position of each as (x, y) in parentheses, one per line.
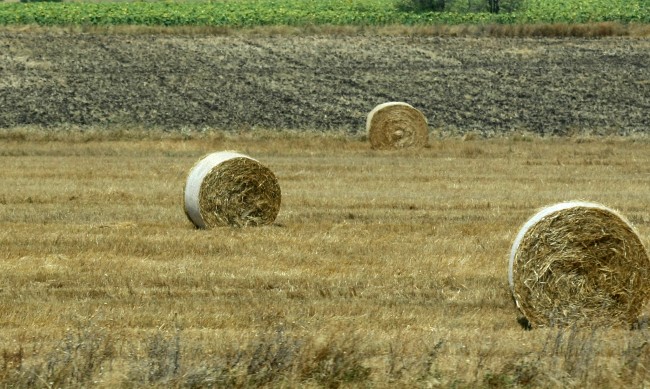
(248, 13)
(582, 11)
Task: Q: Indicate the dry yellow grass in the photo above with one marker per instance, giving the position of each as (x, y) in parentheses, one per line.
(383, 268)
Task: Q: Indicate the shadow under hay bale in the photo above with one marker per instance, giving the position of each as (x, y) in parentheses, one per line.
(231, 189)
(396, 125)
(579, 263)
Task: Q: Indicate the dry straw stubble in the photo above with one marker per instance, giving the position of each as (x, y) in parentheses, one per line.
(579, 263)
(396, 125)
(231, 189)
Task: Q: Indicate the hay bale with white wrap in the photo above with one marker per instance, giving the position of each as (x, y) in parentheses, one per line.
(231, 189)
(579, 263)
(396, 125)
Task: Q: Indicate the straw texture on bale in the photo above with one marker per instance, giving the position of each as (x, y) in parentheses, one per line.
(579, 263)
(396, 125)
(231, 189)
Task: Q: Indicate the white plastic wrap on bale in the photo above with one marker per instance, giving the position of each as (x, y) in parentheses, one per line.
(537, 218)
(195, 179)
(379, 108)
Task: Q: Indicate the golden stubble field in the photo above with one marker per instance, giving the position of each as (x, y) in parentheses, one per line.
(383, 268)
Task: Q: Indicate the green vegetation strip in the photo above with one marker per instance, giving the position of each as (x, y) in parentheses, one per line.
(584, 11)
(247, 13)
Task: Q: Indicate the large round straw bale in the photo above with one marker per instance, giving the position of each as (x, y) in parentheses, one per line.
(579, 263)
(231, 189)
(396, 125)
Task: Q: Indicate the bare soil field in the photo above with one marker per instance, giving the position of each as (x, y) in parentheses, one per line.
(491, 86)
(383, 269)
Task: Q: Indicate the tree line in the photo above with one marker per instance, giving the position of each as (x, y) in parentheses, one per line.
(492, 6)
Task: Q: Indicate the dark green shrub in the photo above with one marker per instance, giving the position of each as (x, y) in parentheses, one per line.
(422, 5)
(40, 1)
(460, 6)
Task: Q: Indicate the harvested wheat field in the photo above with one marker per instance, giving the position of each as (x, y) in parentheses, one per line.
(382, 268)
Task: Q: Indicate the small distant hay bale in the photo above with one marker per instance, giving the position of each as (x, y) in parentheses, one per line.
(231, 189)
(579, 263)
(396, 125)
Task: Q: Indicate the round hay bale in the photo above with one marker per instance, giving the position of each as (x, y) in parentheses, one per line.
(579, 263)
(396, 125)
(231, 189)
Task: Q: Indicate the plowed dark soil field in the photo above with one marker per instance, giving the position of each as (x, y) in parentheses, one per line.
(324, 82)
